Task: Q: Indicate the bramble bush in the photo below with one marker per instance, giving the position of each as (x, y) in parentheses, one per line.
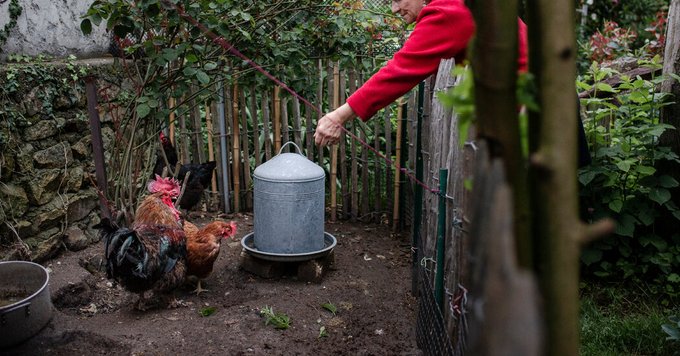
(623, 130)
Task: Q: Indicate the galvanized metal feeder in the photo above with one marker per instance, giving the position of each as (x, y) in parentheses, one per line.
(288, 210)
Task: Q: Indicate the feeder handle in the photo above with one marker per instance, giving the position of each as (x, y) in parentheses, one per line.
(290, 143)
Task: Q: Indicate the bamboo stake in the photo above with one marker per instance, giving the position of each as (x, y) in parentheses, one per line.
(198, 145)
(334, 148)
(277, 119)
(297, 122)
(211, 149)
(389, 199)
(395, 210)
(285, 133)
(355, 164)
(265, 126)
(377, 177)
(256, 125)
(246, 151)
(344, 179)
(236, 157)
(171, 127)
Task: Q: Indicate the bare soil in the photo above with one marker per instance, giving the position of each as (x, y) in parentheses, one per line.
(369, 284)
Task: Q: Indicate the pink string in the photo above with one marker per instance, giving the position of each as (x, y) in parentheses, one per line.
(231, 49)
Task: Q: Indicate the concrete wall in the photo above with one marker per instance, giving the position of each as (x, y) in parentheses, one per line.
(52, 27)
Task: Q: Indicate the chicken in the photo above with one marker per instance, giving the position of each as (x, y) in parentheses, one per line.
(158, 207)
(149, 257)
(151, 254)
(200, 174)
(203, 247)
(199, 179)
(170, 154)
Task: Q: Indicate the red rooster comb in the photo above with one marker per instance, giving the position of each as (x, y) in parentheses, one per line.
(168, 185)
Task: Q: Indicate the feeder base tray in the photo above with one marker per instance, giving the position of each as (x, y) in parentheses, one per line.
(307, 271)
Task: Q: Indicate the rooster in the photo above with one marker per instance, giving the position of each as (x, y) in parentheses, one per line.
(151, 254)
(158, 207)
(203, 247)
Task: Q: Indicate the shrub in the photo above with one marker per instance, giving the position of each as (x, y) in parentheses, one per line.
(623, 131)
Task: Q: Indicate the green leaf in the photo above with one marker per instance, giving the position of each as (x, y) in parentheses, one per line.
(673, 277)
(210, 66)
(604, 87)
(646, 170)
(626, 226)
(660, 195)
(202, 77)
(86, 27)
(667, 181)
(207, 311)
(616, 205)
(623, 165)
(587, 176)
(590, 256)
(143, 110)
(330, 307)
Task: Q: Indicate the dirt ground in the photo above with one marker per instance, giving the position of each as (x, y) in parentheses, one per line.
(369, 284)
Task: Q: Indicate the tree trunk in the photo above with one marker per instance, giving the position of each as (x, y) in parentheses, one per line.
(494, 63)
(671, 114)
(553, 170)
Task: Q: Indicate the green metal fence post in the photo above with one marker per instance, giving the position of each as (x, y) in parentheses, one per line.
(441, 232)
(417, 192)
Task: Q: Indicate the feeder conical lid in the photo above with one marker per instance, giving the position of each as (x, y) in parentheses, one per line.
(289, 167)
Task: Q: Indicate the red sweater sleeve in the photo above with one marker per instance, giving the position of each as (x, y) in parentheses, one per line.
(443, 30)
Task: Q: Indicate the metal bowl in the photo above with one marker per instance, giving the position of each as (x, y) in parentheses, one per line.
(25, 304)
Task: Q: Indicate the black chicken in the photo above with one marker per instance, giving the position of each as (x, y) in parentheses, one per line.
(170, 153)
(148, 257)
(199, 180)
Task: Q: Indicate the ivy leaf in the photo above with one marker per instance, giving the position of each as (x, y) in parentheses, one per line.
(660, 195)
(673, 277)
(210, 66)
(616, 205)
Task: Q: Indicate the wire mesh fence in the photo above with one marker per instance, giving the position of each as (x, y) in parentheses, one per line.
(431, 333)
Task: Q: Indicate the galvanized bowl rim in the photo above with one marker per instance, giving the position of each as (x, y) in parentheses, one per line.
(38, 291)
(247, 243)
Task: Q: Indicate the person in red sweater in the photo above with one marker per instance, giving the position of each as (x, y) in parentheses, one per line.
(443, 29)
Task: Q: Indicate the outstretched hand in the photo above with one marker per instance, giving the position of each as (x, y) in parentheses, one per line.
(329, 127)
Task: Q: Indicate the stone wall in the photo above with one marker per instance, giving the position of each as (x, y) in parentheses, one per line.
(47, 196)
(52, 28)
